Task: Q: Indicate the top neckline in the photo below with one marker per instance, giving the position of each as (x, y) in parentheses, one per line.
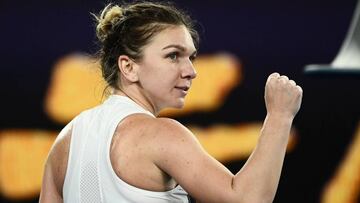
(128, 100)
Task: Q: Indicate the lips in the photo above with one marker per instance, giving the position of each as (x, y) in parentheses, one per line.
(185, 88)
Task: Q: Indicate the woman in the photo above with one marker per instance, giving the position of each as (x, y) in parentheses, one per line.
(120, 151)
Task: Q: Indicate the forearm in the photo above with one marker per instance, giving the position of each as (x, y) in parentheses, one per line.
(258, 179)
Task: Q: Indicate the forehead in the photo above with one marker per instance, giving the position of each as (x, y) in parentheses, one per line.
(177, 34)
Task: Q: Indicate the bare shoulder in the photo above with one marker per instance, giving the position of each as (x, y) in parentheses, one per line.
(172, 132)
(158, 130)
(167, 126)
(171, 124)
(158, 136)
(174, 149)
(61, 146)
(145, 139)
(166, 136)
(56, 163)
(62, 142)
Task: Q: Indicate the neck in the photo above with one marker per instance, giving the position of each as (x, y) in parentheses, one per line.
(139, 98)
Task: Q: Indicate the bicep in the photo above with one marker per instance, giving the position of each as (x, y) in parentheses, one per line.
(182, 157)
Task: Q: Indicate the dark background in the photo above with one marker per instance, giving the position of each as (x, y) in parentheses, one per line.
(267, 36)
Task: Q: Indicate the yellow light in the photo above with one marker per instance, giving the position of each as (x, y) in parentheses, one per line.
(76, 85)
(345, 185)
(22, 158)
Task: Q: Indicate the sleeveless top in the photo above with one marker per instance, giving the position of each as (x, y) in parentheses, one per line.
(89, 175)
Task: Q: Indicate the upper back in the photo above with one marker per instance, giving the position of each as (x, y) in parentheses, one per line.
(83, 161)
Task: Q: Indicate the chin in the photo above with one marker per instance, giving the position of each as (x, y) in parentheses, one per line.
(175, 103)
(178, 104)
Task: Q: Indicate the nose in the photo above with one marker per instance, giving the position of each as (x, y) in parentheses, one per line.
(188, 71)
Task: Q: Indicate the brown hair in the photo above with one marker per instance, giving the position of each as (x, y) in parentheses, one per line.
(126, 29)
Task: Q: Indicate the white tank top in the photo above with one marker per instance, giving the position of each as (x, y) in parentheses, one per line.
(89, 175)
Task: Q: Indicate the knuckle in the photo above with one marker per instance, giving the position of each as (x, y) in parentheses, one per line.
(284, 77)
(273, 76)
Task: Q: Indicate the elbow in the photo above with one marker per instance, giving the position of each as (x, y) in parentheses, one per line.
(251, 193)
(254, 196)
(259, 198)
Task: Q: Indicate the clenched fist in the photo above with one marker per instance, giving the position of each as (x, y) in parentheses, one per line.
(282, 96)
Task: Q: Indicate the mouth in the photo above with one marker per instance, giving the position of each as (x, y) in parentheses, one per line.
(184, 88)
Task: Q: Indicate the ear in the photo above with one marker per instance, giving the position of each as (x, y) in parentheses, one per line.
(128, 68)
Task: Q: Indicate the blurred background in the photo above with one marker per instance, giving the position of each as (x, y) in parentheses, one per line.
(48, 76)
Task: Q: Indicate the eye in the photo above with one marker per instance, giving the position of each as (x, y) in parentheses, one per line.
(192, 57)
(173, 56)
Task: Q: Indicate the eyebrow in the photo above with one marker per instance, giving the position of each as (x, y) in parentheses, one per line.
(182, 48)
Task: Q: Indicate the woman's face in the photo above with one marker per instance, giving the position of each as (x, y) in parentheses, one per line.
(166, 69)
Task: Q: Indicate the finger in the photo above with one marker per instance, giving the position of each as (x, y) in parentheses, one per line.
(273, 76)
(293, 83)
(299, 88)
(284, 77)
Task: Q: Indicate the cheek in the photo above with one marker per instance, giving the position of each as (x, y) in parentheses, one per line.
(152, 79)
(164, 80)
(163, 75)
(159, 75)
(169, 76)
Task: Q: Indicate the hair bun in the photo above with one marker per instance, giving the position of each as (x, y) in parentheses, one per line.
(108, 18)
